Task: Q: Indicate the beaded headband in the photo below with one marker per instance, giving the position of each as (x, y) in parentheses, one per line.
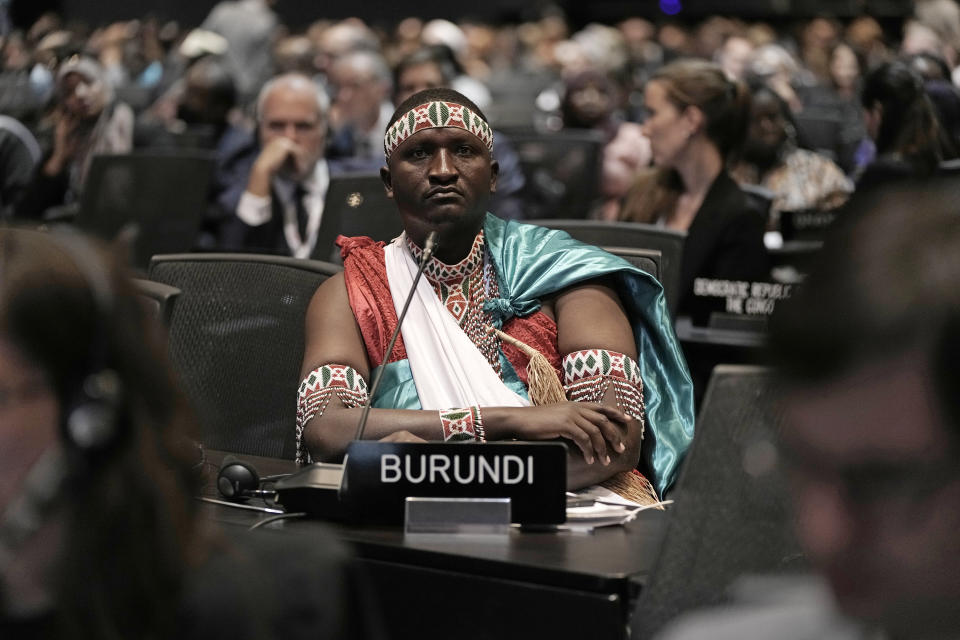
(431, 115)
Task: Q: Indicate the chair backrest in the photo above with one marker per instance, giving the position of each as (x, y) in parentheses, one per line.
(731, 513)
(634, 235)
(562, 171)
(356, 205)
(162, 196)
(236, 343)
(949, 167)
(760, 197)
(644, 259)
(818, 129)
(159, 298)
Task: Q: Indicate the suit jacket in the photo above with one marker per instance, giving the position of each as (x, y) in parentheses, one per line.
(232, 178)
(725, 241)
(265, 238)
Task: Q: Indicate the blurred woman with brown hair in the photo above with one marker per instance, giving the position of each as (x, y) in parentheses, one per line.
(696, 118)
(100, 535)
(903, 124)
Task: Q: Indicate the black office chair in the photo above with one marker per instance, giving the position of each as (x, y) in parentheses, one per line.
(159, 198)
(731, 512)
(648, 260)
(356, 205)
(158, 298)
(759, 197)
(562, 172)
(236, 343)
(819, 129)
(633, 234)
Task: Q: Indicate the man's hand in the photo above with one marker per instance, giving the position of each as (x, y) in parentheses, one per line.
(279, 155)
(596, 429)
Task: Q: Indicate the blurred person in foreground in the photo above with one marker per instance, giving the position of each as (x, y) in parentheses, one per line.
(867, 352)
(100, 535)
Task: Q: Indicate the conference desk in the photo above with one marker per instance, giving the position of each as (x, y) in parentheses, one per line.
(523, 584)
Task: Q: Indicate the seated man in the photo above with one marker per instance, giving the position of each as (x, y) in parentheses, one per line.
(599, 322)
(278, 186)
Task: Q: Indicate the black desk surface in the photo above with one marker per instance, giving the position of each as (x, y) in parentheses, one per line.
(602, 561)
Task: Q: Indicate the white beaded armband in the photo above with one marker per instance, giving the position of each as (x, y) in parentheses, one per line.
(315, 392)
(588, 374)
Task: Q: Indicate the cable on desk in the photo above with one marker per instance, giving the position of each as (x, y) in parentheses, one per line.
(282, 516)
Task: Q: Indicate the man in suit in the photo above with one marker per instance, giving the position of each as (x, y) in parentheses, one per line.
(278, 202)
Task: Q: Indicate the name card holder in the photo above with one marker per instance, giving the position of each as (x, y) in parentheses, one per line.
(472, 516)
(381, 476)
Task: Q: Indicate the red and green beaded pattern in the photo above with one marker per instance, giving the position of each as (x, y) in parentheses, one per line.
(318, 388)
(432, 115)
(461, 424)
(461, 289)
(588, 374)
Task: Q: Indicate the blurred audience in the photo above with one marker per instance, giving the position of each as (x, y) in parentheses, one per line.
(275, 195)
(696, 118)
(903, 124)
(361, 85)
(85, 120)
(800, 180)
(250, 28)
(19, 156)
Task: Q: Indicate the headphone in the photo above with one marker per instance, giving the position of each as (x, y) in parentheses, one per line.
(238, 480)
(91, 412)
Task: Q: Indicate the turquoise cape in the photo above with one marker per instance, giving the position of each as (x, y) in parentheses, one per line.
(532, 262)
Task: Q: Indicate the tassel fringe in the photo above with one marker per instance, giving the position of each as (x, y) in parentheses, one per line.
(632, 486)
(545, 388)
(543, 385)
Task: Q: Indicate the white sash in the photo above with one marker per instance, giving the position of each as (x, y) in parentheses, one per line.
(448, 369)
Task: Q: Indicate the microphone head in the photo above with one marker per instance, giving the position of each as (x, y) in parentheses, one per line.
(430, 245)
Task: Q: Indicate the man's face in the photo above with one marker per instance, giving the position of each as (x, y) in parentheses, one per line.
(359, 93)
(417, 78)
(441, 179)
(767, 130)
(293, 113)
(876, 483)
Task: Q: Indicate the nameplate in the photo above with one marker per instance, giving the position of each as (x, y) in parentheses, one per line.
(806, 225)
(741, 297)
(381, 475)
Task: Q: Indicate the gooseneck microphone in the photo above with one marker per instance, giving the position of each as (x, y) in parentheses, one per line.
(429, 246)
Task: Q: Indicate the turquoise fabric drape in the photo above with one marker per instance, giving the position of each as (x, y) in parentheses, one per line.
(532, 262)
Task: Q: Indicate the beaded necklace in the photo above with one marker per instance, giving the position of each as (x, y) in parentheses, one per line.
(463, 288)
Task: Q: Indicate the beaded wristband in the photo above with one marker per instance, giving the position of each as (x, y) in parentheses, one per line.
(462, 424)
(315, 393)
(588, 374)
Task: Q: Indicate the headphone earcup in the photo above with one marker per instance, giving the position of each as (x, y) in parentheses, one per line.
(91, 422)
(236, 478)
